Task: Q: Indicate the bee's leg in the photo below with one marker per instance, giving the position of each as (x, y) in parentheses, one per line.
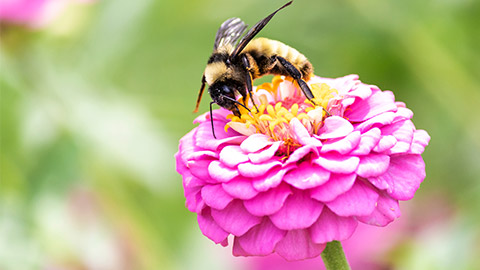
(246, 64)
(296, 75)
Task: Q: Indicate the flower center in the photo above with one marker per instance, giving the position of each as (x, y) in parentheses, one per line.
(278, 103)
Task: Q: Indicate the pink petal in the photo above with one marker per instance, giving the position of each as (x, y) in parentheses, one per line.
(403, 132)
(373, 165)
(368, 141)
(386, 211)
(273, 178)
(297, 245)
(386, 142)
(378, 103)
(240, 188)
(376, 121)
(194, 201)
(255, 170)
(232, 155)
(209, 228)
(237, 249)
(261, 239)
(235, 219)
(307, 176)
(338, 163)
(298, 212)
(300, 153)
(204, 138)
(199, 168)
(360, 200)
(331, 227)
(268, 202)
(362, 91)
(336, 185)
(215, 197)
(344, 145)
(335, 127)
(198, 155)
(221, 173)
(302, 134)
(403, 176)
(420, 141)
(255, 142)
(266, 154)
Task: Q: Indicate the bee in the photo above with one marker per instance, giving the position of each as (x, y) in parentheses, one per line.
(234, 64)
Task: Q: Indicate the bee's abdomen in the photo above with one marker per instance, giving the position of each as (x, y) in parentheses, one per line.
(263, 49)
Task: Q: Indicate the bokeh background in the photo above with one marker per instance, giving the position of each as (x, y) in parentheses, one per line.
(96, 94)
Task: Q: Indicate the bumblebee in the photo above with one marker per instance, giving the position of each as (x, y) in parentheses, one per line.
(234, 64)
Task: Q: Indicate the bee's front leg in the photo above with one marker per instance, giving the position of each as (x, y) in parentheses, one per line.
(296, 75)
(248, 68)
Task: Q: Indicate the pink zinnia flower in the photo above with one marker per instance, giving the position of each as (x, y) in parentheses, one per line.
(290, 178)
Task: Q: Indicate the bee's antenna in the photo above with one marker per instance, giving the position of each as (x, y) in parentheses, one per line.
(236, 102)
(211, 120)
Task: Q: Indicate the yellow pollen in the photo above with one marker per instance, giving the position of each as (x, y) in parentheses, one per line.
(273, 118)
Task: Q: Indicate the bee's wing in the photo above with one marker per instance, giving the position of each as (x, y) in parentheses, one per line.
(254, 31)
(229, 33)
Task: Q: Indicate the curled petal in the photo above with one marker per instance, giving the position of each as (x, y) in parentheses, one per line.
(420, 140)
(240, 188)
(344, 145)
(386, 142)
(297, 245)
(335, 127)
(373, 165)
(331, 227)
(235, 219)
(368, 141)
(298, 212)
(301, 153)
(403, 133)
(302, 134)
(255, 170)
(360, 200)
(215, 197)
(307, 176)
(255, 142)
(337, 163)
(197, 168)
(386, 210)
(221, 173)
(209, 228)
(378, 103)
(264, 155)
(261, 239)
(403, 176)
(268, 202)
(232, 155)
(272, 179)
(336, 185)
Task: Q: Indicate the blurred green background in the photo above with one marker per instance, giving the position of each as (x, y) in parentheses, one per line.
(92, 106)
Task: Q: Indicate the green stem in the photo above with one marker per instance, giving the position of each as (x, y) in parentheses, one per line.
(334, 258)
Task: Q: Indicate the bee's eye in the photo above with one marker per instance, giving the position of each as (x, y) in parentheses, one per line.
(225, 89)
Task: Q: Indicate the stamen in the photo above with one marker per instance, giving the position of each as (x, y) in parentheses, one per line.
(278, 107)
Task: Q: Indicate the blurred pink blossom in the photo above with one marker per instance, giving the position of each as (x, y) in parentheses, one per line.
(33, 13)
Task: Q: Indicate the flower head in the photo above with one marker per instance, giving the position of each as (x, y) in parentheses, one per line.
(295, 174)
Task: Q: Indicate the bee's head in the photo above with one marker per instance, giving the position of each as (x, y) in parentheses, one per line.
(223, 93)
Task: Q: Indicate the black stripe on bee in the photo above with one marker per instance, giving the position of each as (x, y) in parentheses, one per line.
(218, 57)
